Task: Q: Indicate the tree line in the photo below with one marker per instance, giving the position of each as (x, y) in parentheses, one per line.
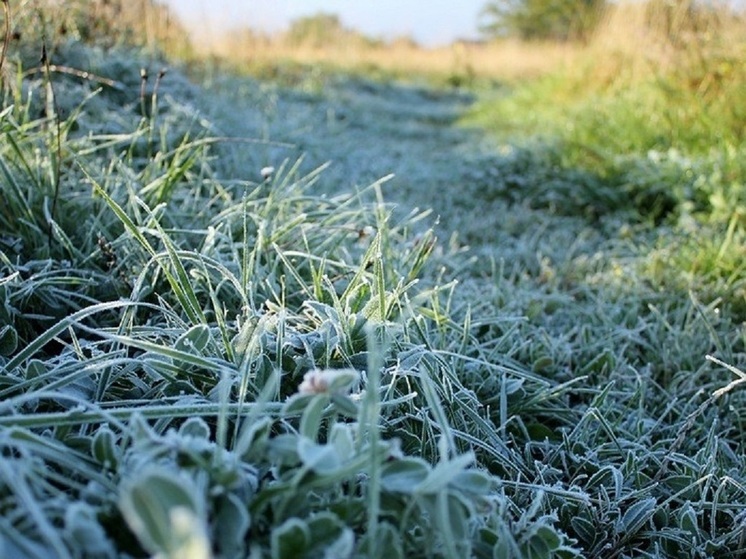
(576, 20)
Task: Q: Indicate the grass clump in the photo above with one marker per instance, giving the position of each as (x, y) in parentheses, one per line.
(655, 124)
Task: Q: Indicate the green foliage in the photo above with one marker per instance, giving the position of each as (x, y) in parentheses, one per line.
(163, 512)
(556, 20)
(665, 144)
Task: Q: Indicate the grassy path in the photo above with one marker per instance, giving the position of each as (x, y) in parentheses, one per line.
(478, 189)
(233, 365)
(367, 130)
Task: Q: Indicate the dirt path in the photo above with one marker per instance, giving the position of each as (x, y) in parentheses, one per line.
(499, 201)
(366, 130)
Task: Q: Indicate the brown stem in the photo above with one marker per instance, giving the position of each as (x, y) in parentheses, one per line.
(6, 41)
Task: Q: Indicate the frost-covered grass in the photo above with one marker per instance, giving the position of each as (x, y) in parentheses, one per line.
(491, 354)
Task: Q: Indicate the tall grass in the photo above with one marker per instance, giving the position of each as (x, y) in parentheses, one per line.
(106, 22)
(652, 109)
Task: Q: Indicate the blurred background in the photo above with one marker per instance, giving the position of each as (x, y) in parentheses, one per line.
(429, 23)
(461, 41)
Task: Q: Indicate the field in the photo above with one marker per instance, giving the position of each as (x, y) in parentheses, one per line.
(289, 309)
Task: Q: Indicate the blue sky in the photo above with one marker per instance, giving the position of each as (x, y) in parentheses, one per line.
(431, 22)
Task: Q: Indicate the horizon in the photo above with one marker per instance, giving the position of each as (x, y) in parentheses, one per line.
(429, 23)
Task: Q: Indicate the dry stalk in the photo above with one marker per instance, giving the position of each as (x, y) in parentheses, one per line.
(52, 112)
(6, 40)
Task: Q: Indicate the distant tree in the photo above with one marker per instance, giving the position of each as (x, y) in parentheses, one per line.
(323, 29)
(316, 30)
(558, 20)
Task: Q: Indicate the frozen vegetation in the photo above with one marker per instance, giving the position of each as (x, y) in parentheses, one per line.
(214, 344)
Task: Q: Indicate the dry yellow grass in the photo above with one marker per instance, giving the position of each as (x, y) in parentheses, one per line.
(507, 60)
(638, 40)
